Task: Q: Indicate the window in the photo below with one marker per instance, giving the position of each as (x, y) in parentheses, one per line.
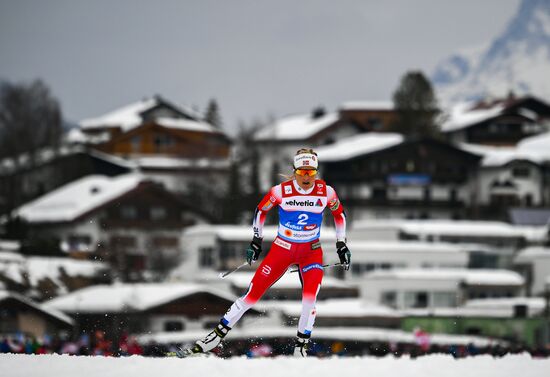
(379, 193)
(79, 242)
(206, 256)
(158, 213)
(136, 143)
(172, 326)
(163, 142)
(453, 195)
(128, 212)
(375, 123)
(521, 172)
(165, 242)
(444, 299)
(427, 194)
(389, 298)
(416, 299)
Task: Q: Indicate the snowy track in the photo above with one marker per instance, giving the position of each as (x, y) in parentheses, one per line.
(136, 366)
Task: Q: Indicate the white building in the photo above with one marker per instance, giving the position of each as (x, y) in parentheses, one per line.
(432, 288)
(279, 141)
(490, 243)
(534, 265)
(209, 249)
(369, 256)
(513, 175)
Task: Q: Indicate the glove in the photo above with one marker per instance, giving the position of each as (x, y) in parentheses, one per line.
(344, 254)
(254, 250)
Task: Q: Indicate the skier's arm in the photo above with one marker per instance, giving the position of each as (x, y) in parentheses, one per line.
(270, 200)
(338, 213)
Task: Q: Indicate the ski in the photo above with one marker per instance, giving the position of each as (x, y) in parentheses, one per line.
(183, 353)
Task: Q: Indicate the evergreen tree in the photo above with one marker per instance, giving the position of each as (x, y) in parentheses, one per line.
(255, 173)
(416, 107)
(275, 171)
(233, 201)
(212, 114)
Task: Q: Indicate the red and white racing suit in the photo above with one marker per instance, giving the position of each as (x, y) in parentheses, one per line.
(297, 242)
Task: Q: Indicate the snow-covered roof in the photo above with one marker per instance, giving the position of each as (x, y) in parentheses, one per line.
(532, 253)
(296, 127)
(404, 246)
(244, 232)
(469, 276)
(52, 312)
(358, 145)
(494, 307)
(334, 308)
(125, 117)
(20, 268)
(11, 257)
(462, 116)
(9, 245)
(130, 116)
(535, 305)
(186, 124)
(367, 105)
(537, 143)
(465, 228)
(121, 297)
(38, 268)
(289, 280)
(76, 198)
(529, 149)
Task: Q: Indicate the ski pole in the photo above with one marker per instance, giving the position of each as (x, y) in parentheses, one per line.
(324, 266)
(222, 275)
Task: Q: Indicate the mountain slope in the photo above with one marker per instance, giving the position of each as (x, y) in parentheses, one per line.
(518, 60)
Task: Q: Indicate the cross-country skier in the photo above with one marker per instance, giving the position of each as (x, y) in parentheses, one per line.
(301, 202)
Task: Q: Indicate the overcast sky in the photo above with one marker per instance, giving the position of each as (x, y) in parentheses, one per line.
(255, 57)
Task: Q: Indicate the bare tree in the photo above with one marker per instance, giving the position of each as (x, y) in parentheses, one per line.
(30, 119)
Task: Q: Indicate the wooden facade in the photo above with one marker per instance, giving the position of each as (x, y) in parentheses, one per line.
(154, 139)
(371, 120)
(375, 180)
(518, 119)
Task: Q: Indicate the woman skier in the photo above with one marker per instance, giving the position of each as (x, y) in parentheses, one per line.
(301, 202)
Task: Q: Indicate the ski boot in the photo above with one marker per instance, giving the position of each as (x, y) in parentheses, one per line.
(300, 347)
(207, 344)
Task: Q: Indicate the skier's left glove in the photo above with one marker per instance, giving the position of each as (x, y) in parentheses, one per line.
(344, 254)
(254, 250)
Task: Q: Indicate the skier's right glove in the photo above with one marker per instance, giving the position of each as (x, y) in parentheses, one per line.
(254, 250)
(344, 254)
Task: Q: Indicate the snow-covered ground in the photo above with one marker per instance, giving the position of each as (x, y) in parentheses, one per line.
(137, 366)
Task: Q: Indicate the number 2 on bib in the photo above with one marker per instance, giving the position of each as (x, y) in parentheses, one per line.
(302, 219)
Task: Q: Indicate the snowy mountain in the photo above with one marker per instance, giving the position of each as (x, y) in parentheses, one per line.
(518, 59)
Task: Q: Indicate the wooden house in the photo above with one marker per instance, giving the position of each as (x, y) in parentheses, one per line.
(130, 221)
(502, 122)
(166, 142)
(382, 175)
